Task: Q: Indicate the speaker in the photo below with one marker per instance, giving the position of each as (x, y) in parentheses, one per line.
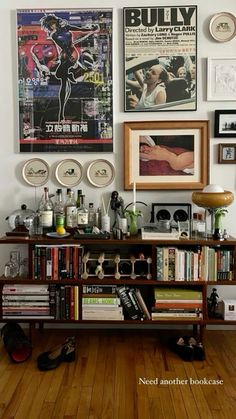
(172, 212)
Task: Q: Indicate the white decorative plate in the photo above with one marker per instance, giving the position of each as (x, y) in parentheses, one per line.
(55, 235)
(35, 172)
(100, 173)
(69, 172)
(223, 26)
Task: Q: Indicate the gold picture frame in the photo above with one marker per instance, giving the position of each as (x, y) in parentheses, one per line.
(154, 154)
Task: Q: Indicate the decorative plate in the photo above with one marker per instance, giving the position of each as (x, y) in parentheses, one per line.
(69, 172)
(100, 173)
(223, 27)
(35, 172)
(55, 235)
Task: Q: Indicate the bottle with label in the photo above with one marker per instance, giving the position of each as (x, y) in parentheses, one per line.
(59, 210)
(91, 215)
(46, 212)
(71, 210)
(82, 214)
(78, 200)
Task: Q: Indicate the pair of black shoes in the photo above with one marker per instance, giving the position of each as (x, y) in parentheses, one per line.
(52, 359)
(188, 348)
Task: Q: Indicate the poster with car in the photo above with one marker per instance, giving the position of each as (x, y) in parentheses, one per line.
(65, 80)
(160, 51)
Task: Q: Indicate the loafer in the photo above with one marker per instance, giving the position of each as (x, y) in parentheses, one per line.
(198, 349)
(182, 349)
(52, 359)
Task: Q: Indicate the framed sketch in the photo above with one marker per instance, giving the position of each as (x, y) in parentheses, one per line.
(225, 123)
(221, 79)
(223, 26)
(227, 153)
(65, 80)
(166, 154)
(35, 172)
(69, 172)
(100, 173)
(160, 57)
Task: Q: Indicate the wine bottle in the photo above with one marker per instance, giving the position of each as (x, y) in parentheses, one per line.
(59, 210)
(46, 212)
(71, 210)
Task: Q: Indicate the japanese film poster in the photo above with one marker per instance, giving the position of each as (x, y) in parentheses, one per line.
(160, 50)
(65, 80)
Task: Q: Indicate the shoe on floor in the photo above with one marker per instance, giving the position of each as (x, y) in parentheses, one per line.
(182, 349)
(52, 359)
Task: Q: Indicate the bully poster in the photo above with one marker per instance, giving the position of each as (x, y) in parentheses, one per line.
(65, 80)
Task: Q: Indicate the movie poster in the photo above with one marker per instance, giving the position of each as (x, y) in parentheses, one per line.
(160, 51)
(65, 80)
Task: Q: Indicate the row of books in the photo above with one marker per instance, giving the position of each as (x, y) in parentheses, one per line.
(57, 262)
(205, 264)
(102, 307)
(177, 304)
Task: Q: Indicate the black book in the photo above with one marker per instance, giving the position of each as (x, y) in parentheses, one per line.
(127, 302)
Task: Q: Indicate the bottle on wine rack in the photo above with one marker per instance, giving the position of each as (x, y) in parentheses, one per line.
(46, 212)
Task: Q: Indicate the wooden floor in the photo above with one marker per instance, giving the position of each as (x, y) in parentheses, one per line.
(107, 380)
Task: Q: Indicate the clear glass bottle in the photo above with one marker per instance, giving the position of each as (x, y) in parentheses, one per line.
(71, 210)
(91, 215)
(82, 213)
(13, 265)
(59, 210)
(46, 212)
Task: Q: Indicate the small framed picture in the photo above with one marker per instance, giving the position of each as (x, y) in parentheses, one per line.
(221, 79)
(225, 123)
(227, 153)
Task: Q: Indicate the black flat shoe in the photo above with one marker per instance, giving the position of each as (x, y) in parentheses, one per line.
(184, 350)
(52, 359)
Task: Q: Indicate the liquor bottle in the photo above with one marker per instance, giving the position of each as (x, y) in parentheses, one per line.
(91, 215)
(59, 210)
(82, 214)
(78, 201)
(46, 212)
(71, 210)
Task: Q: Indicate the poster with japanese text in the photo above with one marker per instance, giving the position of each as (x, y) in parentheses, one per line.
(160, 51)
(65, 80)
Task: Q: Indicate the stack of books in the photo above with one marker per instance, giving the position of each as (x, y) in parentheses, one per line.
(26, 302)
(133, 303)
(100, 302)
(177, 304)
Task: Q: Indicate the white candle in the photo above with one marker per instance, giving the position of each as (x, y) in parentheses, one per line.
(134, 197)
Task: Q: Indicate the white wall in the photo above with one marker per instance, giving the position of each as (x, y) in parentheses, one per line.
(15, 191)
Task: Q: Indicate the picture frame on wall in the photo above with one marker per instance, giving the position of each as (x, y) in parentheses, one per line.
(221, 79)
(227, 153)
(65, 80)
(166, 155)
(160, 58)
(225, 123)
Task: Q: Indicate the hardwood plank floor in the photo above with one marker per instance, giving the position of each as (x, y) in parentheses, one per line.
(111, 378)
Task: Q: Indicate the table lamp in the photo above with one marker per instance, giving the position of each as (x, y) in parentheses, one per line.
(211, 198)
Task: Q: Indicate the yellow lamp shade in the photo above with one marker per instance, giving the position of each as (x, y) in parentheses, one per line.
(213, 199)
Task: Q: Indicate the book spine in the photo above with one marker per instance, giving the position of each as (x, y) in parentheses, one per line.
(127, 303)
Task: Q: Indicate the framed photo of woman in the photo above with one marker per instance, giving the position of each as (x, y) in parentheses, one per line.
(166, 154)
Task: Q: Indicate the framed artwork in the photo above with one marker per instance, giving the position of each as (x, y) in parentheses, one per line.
(225, 123)
(160, 57)
(100, 173)
(69, 173)
(223, 26)
(166, 154)
(35, 172)
(227, 153)
(221, 79)
(65, 80)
